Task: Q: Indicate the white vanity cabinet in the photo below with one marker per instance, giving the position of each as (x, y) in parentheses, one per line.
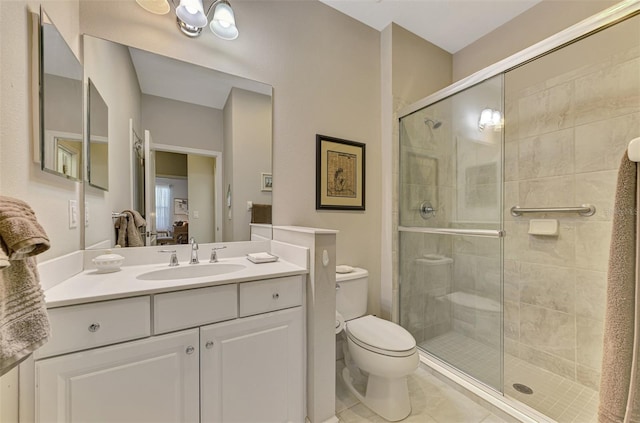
(199, 360)
(152, 380)
(252, 369)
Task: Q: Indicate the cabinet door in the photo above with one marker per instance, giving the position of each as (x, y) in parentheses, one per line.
(252, 369)
(153, 380)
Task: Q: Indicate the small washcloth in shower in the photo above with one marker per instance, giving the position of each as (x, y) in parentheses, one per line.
(24, 323)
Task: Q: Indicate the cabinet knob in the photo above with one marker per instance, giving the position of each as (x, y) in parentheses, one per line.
(190, 349)
(94, 327)
(276, 296)
(209, 345)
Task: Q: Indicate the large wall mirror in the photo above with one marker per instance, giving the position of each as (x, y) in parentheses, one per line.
(98, 146)
(61, 113)
(188, 148)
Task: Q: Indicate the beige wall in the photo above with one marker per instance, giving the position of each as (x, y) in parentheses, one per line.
(20, 177)
(420, 68)
(541, 21)
(121, 93)
(63, 104)
(177, 123)
(202, 198)
(171, 164)
(251, 144)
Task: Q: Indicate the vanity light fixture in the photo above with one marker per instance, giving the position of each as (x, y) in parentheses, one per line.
(490, 118)
(159, 7)
(191, 16)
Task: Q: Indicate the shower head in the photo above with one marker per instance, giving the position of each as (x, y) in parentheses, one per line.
(435, 124)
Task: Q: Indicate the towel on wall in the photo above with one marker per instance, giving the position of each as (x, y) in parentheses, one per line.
(620, 380)
(261, 213)
(24, 324)
(128, 229)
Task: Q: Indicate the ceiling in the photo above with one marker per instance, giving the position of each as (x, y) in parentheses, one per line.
(449, 24)
(170, 78)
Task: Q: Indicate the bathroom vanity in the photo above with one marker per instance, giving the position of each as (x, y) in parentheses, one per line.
(227, 347)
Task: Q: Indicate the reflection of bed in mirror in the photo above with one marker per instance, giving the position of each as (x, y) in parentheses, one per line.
(220, 124)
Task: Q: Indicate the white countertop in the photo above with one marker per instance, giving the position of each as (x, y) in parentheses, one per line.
(90, 285)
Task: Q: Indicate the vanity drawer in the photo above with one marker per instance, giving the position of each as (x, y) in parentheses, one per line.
(269, 295)
(194, 307)
(92, 325)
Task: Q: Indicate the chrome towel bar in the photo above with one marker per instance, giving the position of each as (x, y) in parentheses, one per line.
(450, 231)
(583, 210)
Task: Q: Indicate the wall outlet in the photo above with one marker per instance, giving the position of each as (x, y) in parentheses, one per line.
(73, 214)
(86, 214)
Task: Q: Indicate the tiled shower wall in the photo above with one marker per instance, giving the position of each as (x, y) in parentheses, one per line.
(565, 136)
(427, 169)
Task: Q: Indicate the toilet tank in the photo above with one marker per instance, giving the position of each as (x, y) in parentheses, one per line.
(351, 293)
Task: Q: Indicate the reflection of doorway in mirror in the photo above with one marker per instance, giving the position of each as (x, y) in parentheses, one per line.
(69, 157)
(196, 200)
(63, 153)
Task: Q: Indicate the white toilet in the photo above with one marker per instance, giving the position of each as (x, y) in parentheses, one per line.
(383, 350)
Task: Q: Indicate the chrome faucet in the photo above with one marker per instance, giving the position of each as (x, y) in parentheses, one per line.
(173, 261)
(214, 254)
(194, 251)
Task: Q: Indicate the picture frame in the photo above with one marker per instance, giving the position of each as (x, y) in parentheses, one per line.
(180, 206)
(340, 174)
(266, 182)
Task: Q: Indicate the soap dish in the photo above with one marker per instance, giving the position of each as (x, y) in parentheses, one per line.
(107, 263)
(544, 227)
(343, 268)
(261, 257)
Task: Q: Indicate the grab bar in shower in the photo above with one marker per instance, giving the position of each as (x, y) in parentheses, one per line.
(448, 231)
(583, 210)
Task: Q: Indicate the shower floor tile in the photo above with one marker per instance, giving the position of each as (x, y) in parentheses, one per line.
(432, 401)
(557, 397)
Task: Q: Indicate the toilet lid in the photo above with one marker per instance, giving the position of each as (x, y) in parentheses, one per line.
(381, 336)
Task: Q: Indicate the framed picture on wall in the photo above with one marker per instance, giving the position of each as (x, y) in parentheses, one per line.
(267, 182)
(340, 174)
(180, 206)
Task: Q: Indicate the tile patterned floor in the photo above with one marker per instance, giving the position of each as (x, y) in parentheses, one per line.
(432, 401)
(559, 398)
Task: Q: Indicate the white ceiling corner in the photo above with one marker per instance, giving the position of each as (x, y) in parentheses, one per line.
(449, 24)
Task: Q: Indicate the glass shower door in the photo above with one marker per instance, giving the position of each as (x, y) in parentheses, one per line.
(450, 240)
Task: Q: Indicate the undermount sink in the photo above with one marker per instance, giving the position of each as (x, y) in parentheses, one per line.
(190, 271)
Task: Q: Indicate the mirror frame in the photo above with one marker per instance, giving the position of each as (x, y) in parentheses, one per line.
(44, 134)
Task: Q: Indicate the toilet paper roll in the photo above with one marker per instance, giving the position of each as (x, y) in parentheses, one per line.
(339, 323)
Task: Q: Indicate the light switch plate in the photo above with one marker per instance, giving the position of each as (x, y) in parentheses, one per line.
(73, 214)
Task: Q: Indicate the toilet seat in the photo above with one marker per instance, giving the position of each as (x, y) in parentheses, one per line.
(381, 336)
